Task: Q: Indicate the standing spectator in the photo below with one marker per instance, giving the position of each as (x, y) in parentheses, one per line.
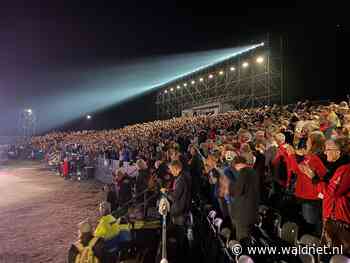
(196, 170)
(180, 199)
(142, 179)
(305, 189)
(125, 187)
(111, 196)
(246, 194)
(336, 202)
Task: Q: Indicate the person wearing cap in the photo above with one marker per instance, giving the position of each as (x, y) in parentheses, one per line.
(86, 246)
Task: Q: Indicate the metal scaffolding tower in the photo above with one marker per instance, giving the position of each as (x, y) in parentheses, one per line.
(27, 122)
(252, 79)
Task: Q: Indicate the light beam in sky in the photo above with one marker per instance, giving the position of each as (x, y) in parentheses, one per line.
(98, 89)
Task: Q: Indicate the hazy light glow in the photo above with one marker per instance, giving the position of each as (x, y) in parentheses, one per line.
(185, 84)
(245, 64)
(99, 88)
(193, 82)
(201, 79)
(88, 117)
(172, 89)
(165, 91)
(178, 87)
(211, 76)
(232, 68)
(221, 72)
(260, 60)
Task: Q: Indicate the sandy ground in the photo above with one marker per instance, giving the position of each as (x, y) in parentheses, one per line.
(39, 212)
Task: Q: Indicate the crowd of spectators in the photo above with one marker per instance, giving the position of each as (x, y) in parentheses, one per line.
(294, 158)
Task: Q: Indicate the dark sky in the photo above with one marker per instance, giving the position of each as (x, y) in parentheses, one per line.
(56, 36)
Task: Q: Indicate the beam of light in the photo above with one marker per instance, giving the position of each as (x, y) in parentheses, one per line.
(98, 89)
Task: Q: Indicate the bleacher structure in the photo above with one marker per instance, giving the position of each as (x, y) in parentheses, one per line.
(251, 79)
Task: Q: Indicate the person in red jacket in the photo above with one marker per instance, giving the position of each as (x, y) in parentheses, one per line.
(307, 191)
(281, 171)
(336, 202)
(65, 168)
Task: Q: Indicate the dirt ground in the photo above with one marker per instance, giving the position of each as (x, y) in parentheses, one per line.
(39, 212)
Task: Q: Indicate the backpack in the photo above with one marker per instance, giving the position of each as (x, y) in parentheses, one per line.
(86, 254)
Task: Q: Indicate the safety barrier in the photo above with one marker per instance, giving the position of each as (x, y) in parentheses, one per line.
(105, 167)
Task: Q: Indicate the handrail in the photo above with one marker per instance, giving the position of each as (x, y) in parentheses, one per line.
(130, 203)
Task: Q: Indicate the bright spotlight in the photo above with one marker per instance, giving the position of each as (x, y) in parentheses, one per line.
(262, 44)
(211, 76)
(172, 89)
(201, 79)
(88, 117)
(192, 82)
(185, 84)
(259, 60)
(178, 87)
(221, 72)
(165, 91)
(245, 65)
(29, 111)
(232, 68)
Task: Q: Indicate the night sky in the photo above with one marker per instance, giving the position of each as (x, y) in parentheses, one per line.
(36, 43)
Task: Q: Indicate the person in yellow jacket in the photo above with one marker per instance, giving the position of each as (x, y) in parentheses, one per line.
(108, 226)
(114, 233)
(87, 249)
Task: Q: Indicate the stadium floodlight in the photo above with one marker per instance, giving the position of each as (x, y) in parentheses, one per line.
(165, 91)
(211, 76)
(245, 65)
(185, 84)
(201, 79)
(232, 68)
(88, 117)
(192, 82)
(172, 89)
(259, 60)
(178, 87)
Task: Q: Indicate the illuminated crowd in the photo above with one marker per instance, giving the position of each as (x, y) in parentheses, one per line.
(300, 154)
